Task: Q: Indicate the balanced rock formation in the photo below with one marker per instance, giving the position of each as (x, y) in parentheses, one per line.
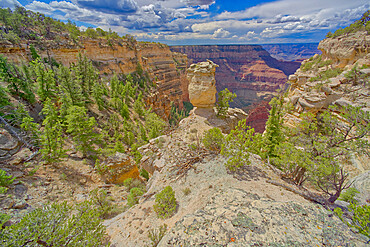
(202, 84)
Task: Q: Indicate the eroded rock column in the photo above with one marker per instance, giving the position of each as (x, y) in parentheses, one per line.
(202, 84)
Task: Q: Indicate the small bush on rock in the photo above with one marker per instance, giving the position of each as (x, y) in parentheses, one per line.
(165, 203)
(213, 139)
(134, 196)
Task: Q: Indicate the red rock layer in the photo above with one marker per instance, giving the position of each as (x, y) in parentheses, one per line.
(257, 117)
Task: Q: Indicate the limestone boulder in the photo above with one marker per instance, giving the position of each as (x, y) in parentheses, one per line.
(118, 168)
(202, 84)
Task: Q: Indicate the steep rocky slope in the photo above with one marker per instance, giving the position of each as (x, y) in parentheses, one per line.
(339, 77)
(216, 207)
(165, 68)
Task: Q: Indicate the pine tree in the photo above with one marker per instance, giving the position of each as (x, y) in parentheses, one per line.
(72, 90)
(52, 138)
(46, 84)
(82, 129)
(86, 75)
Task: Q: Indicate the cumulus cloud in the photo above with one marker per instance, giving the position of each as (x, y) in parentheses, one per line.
(177, 20)
(221, 33)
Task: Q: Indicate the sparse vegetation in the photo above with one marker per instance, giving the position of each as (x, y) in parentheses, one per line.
(349, 195)
(134, 196)
(5, 180)
(156, 235)
(360, 219)
(362, 24)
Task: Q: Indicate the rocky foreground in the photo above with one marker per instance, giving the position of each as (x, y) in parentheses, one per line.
(217, 207)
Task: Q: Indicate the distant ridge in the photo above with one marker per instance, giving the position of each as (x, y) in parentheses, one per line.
(292, 51)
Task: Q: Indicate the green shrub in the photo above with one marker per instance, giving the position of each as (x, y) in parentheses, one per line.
(5, 180)
(56, 225)
(348, 195)
(165, 203)
(102, 203)
(239, 144)
(134, 196)
(360, 219)
(213, 139)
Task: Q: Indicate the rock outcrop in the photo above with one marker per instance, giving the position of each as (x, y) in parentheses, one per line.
(312, 91)
(347, 50)
(118, 168)
(119, 56)
(202, 84)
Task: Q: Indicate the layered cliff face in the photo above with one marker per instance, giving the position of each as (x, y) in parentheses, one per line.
(120, 56)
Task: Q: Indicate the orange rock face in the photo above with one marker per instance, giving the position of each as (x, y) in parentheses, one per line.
(165, 68)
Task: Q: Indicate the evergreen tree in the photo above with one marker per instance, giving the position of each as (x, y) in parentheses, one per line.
(317, 147)
(224, 98)
(274, 135)
(72, 90)
(46, 84)
(86, 75)
(82, 129)
(52, 138)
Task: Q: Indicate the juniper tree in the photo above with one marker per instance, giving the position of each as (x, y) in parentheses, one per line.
(318, 146)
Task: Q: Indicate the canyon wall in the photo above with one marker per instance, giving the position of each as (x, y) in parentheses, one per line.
(119, 56)
(247, 70)
(292, 52)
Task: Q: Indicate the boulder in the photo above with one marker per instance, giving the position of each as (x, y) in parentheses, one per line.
(202, 84)
(118, 168)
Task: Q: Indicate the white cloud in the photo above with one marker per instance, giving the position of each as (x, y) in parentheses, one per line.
(9, 4)
(168, 20)
(221, 33)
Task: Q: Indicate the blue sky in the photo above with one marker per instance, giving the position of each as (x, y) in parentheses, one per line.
(207, 21)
